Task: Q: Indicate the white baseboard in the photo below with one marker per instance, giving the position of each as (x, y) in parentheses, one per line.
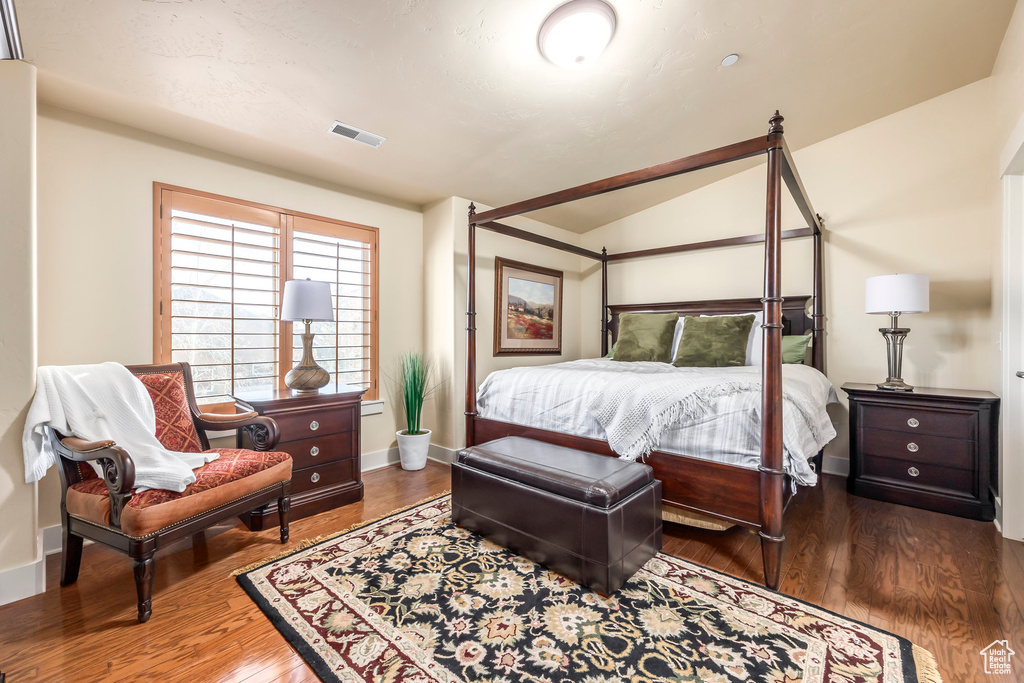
(22, 582)
(53, 539)
(389, 456)
(833, 465)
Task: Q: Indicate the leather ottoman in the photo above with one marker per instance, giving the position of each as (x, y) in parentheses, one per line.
(590, 517)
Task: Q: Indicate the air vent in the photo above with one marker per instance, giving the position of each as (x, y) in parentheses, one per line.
(353, 133)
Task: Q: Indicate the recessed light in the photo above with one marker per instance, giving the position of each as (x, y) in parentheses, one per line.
(730, 60)
(575, 34)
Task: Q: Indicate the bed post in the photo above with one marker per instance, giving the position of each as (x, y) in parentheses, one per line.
(772, 475)
(471, 331)
(604, 302)
(818, 310)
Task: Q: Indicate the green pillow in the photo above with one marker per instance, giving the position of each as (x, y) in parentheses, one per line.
(645, 336)
(610, 353)
(714, 342)
(794, 347)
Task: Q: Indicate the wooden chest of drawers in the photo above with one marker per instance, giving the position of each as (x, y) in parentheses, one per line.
(321, 433)
(930, 448)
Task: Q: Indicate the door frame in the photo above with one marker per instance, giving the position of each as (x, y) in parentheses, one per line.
(1010, 508)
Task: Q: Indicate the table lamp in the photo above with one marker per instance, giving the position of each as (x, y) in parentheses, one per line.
(894, 295)
(307, 300)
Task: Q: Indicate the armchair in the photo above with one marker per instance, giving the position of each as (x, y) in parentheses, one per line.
(110, 511)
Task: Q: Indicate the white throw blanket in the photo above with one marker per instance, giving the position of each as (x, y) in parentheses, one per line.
(98, 403)
(636, 410)
(709, 413)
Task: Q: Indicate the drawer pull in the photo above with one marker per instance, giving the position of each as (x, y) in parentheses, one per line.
(314, 451)
(315, 477)
(314, 425)
(913, 447)
(913, 422)
(913, 471)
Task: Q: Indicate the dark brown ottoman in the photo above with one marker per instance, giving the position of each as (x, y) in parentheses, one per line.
(590, 517)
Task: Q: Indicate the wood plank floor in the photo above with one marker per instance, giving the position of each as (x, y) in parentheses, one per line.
(949, 584)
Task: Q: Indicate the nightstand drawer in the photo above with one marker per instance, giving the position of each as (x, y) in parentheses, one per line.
(305, 425)
(934, 450)
(320, 449)
(921, 474)
(324, 476)
(947, 423)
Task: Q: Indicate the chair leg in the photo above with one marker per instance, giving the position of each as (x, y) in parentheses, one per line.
(70, 557)
(284, 507)
(144, 585)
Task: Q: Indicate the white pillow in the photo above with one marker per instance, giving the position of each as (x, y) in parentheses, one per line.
(755, 342)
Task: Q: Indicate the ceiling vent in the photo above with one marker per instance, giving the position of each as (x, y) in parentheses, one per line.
(353, 133)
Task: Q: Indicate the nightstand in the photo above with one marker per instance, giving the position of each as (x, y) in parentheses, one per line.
(930, 448)
(321, 433)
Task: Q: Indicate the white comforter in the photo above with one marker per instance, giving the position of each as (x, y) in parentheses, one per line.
(717, 413)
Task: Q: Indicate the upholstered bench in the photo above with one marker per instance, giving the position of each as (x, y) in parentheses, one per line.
(590, 517)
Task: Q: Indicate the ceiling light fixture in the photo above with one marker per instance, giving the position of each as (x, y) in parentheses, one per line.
(730, 60)
(575, 34)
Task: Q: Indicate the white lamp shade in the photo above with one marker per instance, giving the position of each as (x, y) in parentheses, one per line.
(307, 300)
(905, 293)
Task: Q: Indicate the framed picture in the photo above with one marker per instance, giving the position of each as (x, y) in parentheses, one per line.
(527, 309)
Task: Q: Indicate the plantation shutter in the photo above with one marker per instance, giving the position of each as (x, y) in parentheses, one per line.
(344, 256)
(219, 295)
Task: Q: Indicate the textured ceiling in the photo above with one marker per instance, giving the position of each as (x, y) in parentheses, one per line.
(470, 107)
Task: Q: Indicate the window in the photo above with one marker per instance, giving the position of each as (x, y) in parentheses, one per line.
(219, 266)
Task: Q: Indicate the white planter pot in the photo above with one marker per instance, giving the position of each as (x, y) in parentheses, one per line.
(413, 448)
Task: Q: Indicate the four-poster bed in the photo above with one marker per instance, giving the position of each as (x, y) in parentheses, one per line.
(753, 498)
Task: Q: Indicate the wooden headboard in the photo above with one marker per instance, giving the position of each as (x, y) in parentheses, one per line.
(795, 319)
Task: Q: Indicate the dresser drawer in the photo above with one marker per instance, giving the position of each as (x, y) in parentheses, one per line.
(319, 449)
(947, 423)
(324, 476)
(919, 474)
(303, 425)
(918, 448)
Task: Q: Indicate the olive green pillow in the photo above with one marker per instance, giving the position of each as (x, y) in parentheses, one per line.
(645, 336)
(714, 342)
(794, 347)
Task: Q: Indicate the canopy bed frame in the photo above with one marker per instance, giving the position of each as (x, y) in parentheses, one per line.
(751, 498)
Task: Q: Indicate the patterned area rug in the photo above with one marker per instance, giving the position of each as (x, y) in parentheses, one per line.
(412, 597)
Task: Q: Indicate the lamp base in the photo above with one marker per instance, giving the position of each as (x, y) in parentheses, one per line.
(895, 384)
(894, 336)
(307, 377)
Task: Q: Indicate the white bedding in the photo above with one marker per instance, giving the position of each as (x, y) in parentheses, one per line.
(567, 398)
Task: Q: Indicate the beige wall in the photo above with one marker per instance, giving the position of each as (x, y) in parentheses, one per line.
(445, 290)
(912, 192)
(18, 542)
(95, 231)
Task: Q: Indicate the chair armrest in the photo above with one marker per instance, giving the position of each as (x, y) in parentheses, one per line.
(263, 431)
(118, 468)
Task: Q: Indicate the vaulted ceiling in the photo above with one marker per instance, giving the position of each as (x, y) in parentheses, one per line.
(469, 106)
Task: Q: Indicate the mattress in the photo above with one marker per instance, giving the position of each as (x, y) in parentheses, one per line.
(562, 398)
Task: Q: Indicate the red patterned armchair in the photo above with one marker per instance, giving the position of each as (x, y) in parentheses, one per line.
(108, 510)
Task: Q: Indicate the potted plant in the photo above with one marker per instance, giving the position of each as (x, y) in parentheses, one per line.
(413, 441)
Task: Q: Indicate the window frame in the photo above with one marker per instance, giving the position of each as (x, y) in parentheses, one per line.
(162, 350)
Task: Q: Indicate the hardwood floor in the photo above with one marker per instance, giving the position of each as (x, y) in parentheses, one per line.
(951, 585)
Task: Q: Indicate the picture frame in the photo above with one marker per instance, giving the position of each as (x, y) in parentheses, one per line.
(527, 309)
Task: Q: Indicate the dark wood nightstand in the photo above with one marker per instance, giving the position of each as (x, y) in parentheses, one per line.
(321, 433)
(929, 448)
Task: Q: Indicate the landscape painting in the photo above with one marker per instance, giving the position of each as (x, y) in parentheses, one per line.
(528, 309)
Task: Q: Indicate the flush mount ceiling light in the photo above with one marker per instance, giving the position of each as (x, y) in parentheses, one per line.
(575, 34)
(730, 60)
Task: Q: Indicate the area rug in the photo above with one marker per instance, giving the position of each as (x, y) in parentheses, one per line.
(412, 597)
